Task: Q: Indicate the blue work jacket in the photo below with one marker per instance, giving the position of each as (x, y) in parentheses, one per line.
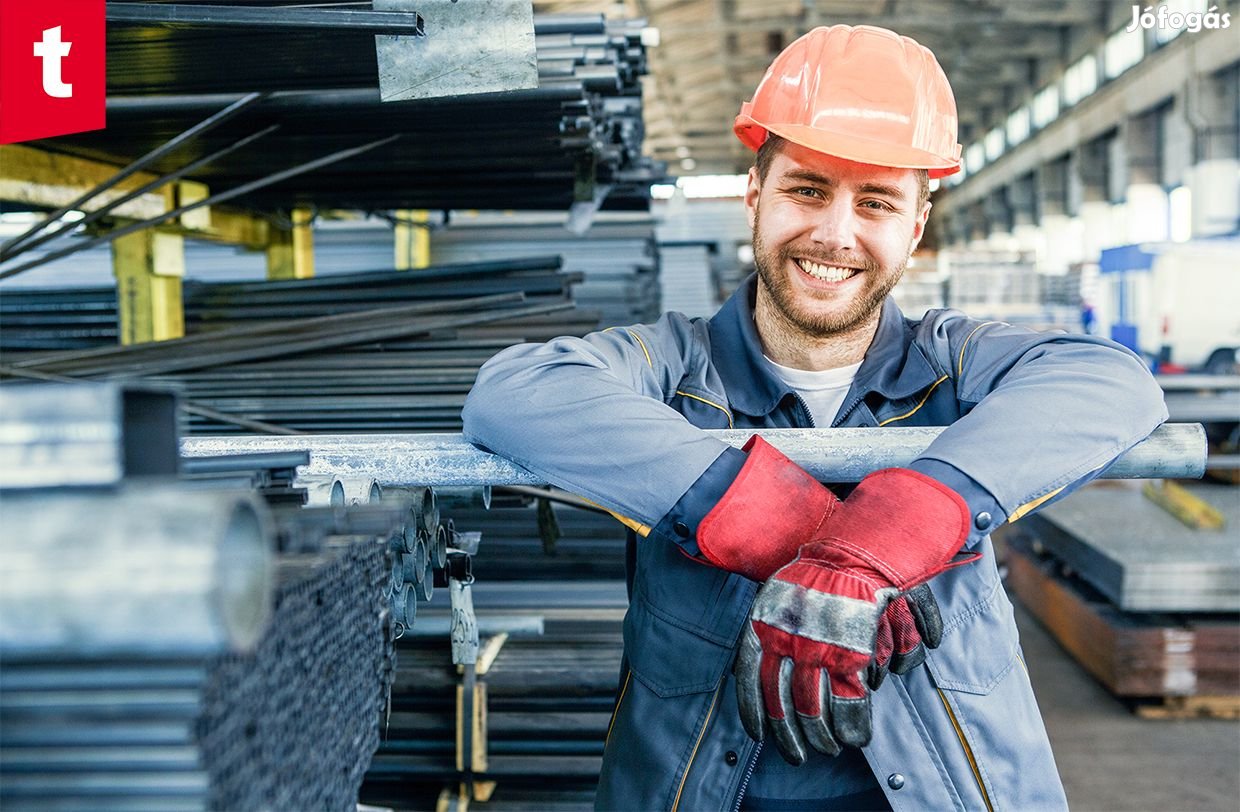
(616, 416)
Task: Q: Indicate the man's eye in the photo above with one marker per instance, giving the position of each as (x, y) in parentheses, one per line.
(877, 205)
(807, 191)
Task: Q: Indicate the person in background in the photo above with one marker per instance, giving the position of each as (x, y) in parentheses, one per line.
(790, 645)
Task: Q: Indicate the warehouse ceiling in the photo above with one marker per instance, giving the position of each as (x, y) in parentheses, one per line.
(712, 54)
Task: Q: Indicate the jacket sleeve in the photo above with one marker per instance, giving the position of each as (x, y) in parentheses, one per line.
(1045, 412)
(591, 415)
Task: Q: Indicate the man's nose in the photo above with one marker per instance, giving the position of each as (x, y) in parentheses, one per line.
(836, 226)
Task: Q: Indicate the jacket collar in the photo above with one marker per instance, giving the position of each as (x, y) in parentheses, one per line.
(894, 366)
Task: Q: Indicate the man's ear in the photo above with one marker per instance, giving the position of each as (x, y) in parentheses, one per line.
(919, 228)
(752, 188)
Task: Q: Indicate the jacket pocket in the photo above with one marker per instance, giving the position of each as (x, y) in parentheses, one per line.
(669, 656)
(979, 646)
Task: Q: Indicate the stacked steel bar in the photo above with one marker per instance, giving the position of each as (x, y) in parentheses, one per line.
(584, 544)
(548, 704)
(574, 139)
(551, 577)
(383, 351)
(617, 256)
(80, 318)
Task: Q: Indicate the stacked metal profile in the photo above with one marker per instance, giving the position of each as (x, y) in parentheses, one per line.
(384, 351)
(616, 257)
(551, 580)
(689, 283)
(81, 318)
(576, 138)
(549, 699)
(186, 643)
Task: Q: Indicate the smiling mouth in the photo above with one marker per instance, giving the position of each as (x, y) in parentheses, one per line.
(826, 273)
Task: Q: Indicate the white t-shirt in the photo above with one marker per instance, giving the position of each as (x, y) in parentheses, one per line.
(823, 392)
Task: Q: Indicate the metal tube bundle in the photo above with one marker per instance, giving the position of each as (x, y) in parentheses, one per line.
(578, 133)
(172, 645)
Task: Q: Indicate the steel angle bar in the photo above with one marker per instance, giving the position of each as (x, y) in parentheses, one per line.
(831, 455)
(406, 23)
(10, 248)
(496, 33)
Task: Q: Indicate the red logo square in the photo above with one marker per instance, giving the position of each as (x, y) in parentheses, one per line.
(53, 73)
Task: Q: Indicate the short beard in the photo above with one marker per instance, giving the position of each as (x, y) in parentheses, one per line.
(770, 265)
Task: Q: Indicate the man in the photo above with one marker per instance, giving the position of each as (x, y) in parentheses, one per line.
(764, 611)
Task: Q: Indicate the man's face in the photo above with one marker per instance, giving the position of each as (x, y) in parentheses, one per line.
(831, 237)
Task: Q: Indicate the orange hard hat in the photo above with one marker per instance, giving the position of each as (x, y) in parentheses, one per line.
(860, 93)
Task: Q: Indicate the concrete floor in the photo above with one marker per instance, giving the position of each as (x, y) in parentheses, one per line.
(1112, 760)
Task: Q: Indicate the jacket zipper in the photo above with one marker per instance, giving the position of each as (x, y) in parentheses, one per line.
(710, 712)
(753, 765)
(968, 751)
(845, 410)
(805, 409)
(615, 713)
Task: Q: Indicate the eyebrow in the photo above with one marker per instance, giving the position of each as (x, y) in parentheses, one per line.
(884, 189)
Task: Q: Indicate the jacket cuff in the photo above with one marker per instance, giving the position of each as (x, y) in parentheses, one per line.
(983, 507)
(680, 524)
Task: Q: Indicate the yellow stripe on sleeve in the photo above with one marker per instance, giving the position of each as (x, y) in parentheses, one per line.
(1036, 503)
(929, 392)
(960, 363)
(708, 403)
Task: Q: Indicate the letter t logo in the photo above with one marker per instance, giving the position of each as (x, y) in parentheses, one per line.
(51, 50)
(53, 68)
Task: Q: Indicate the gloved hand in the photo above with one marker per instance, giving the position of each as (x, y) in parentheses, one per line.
(908, 622)
(785, 499)
(815, 627)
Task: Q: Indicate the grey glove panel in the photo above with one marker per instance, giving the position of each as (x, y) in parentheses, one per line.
(749, 683)
(925, 610)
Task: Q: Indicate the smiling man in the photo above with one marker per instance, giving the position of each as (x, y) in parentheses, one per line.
(790, 645)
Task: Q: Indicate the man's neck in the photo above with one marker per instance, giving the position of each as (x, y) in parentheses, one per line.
(786, 344)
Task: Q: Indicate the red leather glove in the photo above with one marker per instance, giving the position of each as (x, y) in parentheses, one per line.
(773, 487)
(815, 626)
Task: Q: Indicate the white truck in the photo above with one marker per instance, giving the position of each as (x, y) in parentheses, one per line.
(1176, 303)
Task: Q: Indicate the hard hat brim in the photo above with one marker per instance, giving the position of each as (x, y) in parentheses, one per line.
(846, 146)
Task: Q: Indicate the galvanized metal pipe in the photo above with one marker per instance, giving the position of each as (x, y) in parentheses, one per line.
(151, 569)
(1175, 451)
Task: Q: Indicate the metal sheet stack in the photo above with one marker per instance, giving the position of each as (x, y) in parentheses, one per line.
(1147, 604)
(1141, 557)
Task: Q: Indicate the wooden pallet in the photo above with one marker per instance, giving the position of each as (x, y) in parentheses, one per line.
(1133, 654)
(1190, 707)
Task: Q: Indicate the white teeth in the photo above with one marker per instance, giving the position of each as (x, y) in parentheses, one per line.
(827, 273)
